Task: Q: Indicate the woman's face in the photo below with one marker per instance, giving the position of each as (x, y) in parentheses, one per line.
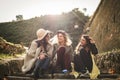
(47, 37)
(61, 37)
(83, 41)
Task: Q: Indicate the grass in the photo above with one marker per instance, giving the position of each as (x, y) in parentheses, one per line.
(8, 56)
(4, 56)
(112, 51)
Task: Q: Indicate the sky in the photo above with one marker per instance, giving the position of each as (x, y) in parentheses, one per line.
(35, 8)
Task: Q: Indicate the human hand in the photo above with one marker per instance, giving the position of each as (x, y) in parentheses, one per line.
(91, 40)
(42, 56)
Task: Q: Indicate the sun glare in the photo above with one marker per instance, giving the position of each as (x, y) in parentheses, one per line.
(49, 7)
(36, 8)
(56, 6)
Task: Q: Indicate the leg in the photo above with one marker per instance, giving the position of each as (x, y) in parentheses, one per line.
(60, 57)
(37, 67)
(82, 62)
(77, 63)
(46, 63)
(67, 64)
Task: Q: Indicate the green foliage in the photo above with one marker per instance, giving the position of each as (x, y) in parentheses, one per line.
(10, 48)
(25, 31)
(4, 56)
(109, 60)
(19, 17)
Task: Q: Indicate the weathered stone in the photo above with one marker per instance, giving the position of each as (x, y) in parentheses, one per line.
(10, 48)
(109, 62)
(105, 25)
(65, 77)
(11, 66)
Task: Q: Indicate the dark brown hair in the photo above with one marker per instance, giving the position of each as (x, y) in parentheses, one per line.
(87, 38)
(43, 42)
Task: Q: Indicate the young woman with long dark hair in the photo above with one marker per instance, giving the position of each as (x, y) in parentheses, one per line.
(39, 54)
(82, 58)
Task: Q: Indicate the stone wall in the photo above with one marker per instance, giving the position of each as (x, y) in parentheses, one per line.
(11, 66)
(10, 48)
(105, 25)
(109, 62)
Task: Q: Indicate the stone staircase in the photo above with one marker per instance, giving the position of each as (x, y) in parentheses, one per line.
(11, 70)
(102, 76)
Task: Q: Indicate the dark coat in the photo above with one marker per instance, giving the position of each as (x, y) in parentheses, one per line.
(83, 60)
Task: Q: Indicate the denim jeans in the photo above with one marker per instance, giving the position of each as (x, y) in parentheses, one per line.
(41, 65)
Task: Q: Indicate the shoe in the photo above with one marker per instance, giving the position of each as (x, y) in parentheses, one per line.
(65, 71)
(34, 76)
(87, 72)
(84, 74)
(30, 75)
(41, 76)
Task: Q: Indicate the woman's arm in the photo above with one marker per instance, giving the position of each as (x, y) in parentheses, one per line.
(71, 53)
(49, 51)
(32, 49)
(94, 49)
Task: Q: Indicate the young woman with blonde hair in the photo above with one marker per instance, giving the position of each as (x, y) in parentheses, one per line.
(63, 51)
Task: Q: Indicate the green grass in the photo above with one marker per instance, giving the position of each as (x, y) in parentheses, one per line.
(4, 56)
(8, 56)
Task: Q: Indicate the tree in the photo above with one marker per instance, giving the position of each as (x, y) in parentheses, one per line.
(84, 9)
(19, 17)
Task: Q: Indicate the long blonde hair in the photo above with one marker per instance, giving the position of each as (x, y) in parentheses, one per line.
(77, 48)
(54, 40)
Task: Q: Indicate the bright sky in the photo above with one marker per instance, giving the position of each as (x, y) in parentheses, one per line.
(31, 8)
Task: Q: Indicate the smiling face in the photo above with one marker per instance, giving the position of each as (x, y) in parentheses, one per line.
(61, 38)
(83, 41)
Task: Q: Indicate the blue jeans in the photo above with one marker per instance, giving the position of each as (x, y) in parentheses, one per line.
(41, 65)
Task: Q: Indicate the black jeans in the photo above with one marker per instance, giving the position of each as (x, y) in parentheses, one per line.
(83, 61)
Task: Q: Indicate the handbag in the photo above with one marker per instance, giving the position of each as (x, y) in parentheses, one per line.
(95, 71)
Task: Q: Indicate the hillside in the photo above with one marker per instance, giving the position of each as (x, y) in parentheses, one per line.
(105, 25)
(25, 30)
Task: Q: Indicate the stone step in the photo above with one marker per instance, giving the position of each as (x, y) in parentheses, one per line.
(18, 78)
(61, 76)
(106, 75)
